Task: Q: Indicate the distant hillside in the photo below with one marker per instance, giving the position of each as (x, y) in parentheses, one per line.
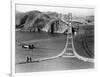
(22, 17)
(90, 18)
(18, 18)
(36, 20)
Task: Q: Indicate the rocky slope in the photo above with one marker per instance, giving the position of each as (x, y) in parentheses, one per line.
(37, 21)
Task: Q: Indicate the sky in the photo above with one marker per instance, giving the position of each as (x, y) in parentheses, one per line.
(63, 10)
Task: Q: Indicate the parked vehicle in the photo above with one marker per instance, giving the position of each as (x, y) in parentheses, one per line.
(28, 46)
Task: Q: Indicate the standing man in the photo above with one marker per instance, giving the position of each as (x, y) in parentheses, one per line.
(27, 60)
(30, 59)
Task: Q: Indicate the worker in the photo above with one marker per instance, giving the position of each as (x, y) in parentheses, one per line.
(31, 46)
(30, 59)
(73, 31)
(27, 60)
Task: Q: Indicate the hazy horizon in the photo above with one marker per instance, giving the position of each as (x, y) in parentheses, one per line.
(63, 10)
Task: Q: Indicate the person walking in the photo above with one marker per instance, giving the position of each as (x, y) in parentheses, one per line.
(30, 59)
(27, 60)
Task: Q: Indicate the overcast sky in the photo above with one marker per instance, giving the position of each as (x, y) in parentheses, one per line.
(63, 10)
